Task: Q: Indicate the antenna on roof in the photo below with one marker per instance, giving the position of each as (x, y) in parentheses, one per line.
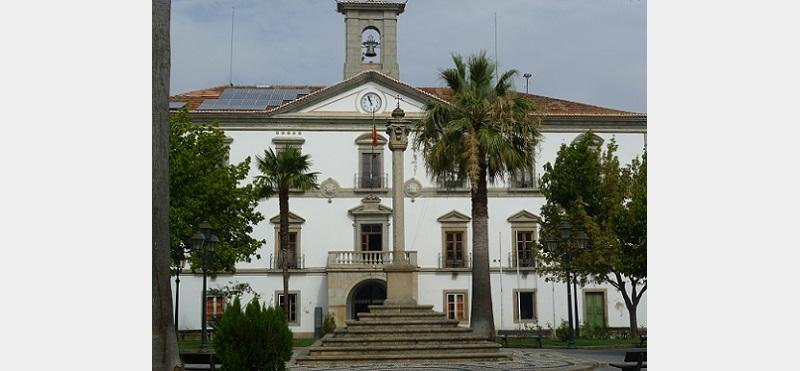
(230, 64)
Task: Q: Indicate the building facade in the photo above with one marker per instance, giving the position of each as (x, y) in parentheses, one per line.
(341, 235)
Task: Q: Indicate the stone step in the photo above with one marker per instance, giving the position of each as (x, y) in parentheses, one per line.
(404, 323)
(399, 308)
(401, 358)
(392, 331)
(400, 316)
(478, 347)
(380, 339)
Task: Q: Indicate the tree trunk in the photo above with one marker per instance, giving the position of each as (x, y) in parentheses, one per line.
(482, 316)
(630, 304)
(165, 343)
(283, 204)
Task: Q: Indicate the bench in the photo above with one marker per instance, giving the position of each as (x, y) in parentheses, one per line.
(634, 361)
(520, 334)
(642, 339)
(197, 359)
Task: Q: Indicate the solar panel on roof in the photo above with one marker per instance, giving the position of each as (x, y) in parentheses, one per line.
(176, 105)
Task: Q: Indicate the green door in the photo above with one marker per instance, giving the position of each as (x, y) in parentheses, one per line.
(595, 307)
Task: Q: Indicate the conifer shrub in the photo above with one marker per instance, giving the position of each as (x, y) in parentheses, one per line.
(329, 324)
(256, 339)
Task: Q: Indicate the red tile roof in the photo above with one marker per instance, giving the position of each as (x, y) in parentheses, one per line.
(549, 106)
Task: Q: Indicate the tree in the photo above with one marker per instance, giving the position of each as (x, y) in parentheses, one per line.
(485, 132)
(590, 190)
(165, 343)
(281, 172)
(204, 188)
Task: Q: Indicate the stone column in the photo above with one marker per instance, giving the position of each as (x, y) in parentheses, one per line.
(401, 276)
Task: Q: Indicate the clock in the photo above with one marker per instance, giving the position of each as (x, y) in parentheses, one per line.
(371, 102)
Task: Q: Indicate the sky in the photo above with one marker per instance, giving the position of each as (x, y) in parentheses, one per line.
(589, 51)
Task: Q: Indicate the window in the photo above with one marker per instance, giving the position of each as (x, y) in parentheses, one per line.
(454, 249)
(371, 174)
(454, 240)
(294, 318)
(294, 257)
(524, 247)
(452, 181)
(523, 244)
(215, 305)
(524, 306)
(455, 305)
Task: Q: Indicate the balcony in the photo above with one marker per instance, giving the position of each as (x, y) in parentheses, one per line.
(294, 262)
(452, 184)
(370, 182)
(525, 182)
(455, 262)
(525, 259)
(366, 259)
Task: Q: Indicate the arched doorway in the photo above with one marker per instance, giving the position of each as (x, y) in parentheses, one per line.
(366, 293)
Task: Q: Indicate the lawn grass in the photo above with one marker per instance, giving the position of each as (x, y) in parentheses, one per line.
(579, 343)
(193, 345)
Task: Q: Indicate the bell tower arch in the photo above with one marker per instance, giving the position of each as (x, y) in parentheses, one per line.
(370, 36)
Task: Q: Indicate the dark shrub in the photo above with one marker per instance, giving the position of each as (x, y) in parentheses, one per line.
(256, 339)
(330, 323)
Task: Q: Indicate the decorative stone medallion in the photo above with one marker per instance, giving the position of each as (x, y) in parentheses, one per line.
(328, 188)
(413, 188)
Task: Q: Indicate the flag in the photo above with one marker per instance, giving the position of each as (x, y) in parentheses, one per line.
(374, 135)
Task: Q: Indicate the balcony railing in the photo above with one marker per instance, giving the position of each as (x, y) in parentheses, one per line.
(452, 184)
(525, 259)
(367, 258)
(370, 181)
(463, 262)
(295, 262)
(524, 183)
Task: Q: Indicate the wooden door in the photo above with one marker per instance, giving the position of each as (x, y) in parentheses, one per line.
(595, 309)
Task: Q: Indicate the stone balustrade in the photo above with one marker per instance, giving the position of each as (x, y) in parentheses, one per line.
(344, 259)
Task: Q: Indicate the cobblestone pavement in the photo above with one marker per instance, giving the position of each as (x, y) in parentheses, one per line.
(523, 359)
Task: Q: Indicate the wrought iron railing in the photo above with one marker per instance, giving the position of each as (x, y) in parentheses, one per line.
(370, 181)
(295, 262)
(455, 262)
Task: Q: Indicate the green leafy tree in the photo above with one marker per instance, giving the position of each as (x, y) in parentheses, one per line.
(485, 132)
(590, 190)
(257, 338)
(203, 187)
(280, 172)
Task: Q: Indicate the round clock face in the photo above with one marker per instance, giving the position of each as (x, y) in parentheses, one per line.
(371, 102)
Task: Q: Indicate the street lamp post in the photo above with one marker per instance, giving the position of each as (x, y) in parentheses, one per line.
(527, 76)
(552, 244)
(178, 270)
(205, 242)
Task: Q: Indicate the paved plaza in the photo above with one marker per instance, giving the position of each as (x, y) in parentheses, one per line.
(523, 359)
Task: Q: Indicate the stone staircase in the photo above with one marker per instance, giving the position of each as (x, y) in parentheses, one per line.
(401, 334)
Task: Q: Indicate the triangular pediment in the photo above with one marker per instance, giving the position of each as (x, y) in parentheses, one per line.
(370, 205)
(454, 217)
(293, 219)
(345, 97)
(524, 217)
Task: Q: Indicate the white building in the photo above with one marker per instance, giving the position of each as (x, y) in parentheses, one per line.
(341, 236)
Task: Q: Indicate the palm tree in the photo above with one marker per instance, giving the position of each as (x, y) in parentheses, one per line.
(484, 133)
(288, 169)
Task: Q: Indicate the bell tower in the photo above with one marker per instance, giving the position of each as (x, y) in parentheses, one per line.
(370, 36)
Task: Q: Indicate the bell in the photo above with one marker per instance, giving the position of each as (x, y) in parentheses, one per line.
(370, 51)
(370, 44)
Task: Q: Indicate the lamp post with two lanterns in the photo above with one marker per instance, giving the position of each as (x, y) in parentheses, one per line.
(552, 245)
(204, 241)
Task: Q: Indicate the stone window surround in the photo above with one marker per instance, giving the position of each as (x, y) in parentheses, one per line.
(445, 292)
(605, 302)
(454, 221)
(279, 293)
(295, 225)
(227, 141)
(515, 299)
(364, 145)
(522, 221)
